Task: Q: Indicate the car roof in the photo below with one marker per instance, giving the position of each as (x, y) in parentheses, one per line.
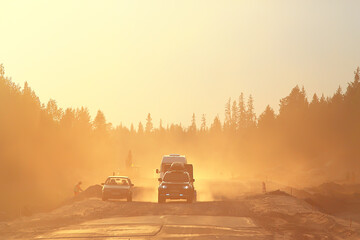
(125, 177)
(177, 171)
(174, 155)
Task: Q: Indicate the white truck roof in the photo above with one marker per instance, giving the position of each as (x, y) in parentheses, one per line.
(174, 158)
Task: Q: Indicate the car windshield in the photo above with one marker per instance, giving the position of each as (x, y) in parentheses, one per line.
(117, 181)
(176, 177)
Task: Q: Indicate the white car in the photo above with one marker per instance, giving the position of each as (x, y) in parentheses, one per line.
(116, 187)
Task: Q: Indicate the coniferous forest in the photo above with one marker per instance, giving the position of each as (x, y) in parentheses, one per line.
(45, 150)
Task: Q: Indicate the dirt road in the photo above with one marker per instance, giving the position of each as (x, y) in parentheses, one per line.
(163, 227)
(253, 217)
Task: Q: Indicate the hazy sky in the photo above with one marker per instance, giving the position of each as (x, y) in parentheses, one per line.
(173, 58)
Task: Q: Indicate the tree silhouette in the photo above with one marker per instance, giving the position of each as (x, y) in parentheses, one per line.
(68, 119)
(192, 128)
(2, 71)
(242, 113)
(83, 121)
(203, 127)
(140, 129)
(53, 110)
(100, 122)
(235, 114)
(267, 118)
(250, 114)
(227, 121)
(215, 128)
(149, 125)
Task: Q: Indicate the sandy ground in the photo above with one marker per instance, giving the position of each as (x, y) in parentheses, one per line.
(276, 216)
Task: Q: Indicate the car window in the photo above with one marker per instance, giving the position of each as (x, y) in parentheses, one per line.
(176, 177)
(117, 181)
(165, 167)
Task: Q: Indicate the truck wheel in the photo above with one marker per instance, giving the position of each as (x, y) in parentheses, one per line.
(195, 196)
(161, 199)
(189, 199)
(129, 198)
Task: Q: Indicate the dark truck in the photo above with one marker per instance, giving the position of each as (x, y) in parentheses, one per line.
(177, 182)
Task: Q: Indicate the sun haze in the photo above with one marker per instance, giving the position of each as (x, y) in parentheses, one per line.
(180, 119)
(175, 58)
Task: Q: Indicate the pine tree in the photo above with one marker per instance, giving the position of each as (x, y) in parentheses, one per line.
(227, 121)
(30, 95)
(83, 120)
(149, 125)
(296, 103)
(338, 97)
(203, 123)
(314, 109)
(192, 127)
(53, 110)
(251, 117)
(140, 129)
(353, 90)
(216, 126)
(242, 112)
(68, 119)
(267, 118)
(100, 122)
(322, 100)
(315, 100)
(234, 117)
(357, 75)
(2, 71)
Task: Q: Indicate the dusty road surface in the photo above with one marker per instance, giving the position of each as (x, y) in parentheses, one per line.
(269, 216)
(162, 227)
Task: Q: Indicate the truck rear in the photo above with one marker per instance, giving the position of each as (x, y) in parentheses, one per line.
(176, 179)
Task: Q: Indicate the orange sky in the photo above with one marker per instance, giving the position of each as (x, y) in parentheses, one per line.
(173, 58)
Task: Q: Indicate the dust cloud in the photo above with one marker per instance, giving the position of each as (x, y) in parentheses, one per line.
(46, 150)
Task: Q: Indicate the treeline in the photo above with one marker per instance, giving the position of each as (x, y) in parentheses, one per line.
(45, 150)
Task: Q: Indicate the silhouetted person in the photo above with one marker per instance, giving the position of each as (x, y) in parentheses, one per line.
(77, 188)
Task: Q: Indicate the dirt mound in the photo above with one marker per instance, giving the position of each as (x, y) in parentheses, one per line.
(297, 219)
(278, 192)
(340, 200)
(278, 203)
(334, 189)
(92, 191)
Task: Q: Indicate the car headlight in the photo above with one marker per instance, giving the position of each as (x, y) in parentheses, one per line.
(163, 186)
(186, 187)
